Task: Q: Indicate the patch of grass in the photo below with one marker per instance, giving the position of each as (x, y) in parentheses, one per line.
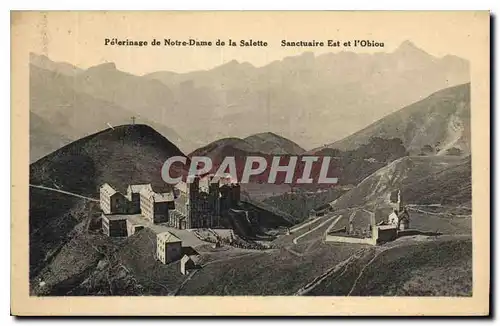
(437, 268)
(277, 272)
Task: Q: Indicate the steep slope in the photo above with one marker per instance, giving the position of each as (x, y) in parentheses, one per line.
(74, 114)
(405, 269)
(441, 121)
(120, 156)
(270, 143)
(225, 147)
(418, 271)
(148, 98)
(43, 138)
(423, 180)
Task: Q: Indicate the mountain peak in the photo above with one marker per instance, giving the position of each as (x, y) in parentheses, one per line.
(104, 66)
(267, 134)
(412, 55)
(271, 143)
(35, 56)
(408, 47)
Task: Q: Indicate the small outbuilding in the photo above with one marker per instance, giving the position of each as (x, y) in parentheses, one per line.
(114, 225)
(168, 247)
(188, 263)
(133, 227)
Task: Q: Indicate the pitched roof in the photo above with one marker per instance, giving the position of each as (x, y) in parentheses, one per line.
(164, 197)
(137, 188)
(168, 237)
(194, 258)
(182, 186)
(110, 191)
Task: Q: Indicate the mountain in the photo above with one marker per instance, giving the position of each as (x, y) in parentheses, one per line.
(423, 180)
(73, 114)
(43, 138)
(221, 148)
(441, 121)
(310, 99)
(120, 156)
(264, 143)
(63, 68)
(270, 143)
(148, 98)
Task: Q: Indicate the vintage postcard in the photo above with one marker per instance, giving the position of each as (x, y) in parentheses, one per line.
(250, 163)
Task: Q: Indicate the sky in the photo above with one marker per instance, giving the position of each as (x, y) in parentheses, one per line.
(78, 37)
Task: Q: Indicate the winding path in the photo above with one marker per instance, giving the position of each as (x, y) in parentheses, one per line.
(64, 192)
(295, 240)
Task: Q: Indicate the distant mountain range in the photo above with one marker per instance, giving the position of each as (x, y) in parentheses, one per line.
(313, 100)
(62, 108)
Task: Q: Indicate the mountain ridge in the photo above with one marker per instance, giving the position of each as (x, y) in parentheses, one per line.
(442, 118)
(309, 99)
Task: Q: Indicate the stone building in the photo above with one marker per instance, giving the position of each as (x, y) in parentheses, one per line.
(396, 200)
(168, 247)
(114, 225)
(112, 201)
(404, 220)
(229, 196)
(134, 196)
(187, 264)
(155, 206)
(399, 215)
(201, 204)
(122, 214)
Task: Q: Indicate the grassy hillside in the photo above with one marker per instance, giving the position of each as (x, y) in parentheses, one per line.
(120, 156)
(441, 121)
(420, 268)
(300, 203)
(221, 148)
(440, 268)
(275, 272)
(53, 218)
(423, 181)
(270, 143)
(353, 166)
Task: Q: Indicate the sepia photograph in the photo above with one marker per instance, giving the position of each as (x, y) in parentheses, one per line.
(256, 158)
